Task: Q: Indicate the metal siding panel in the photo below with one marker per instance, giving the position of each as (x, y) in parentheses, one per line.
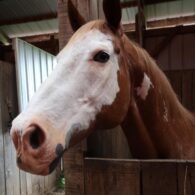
(43, 66)
(150, 12)
(30, 70)
(161, 10)
(37, 68)
(23, 98)
(33, 67)
(174, 9)
(49, 64)
(188, 7)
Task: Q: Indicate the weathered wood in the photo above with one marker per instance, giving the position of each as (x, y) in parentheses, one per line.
(186, 178)
(193, 91)
(2, 162)
(73, 159)
(112, 177)
(187, 89)
(8, 109)
(108, 144)
(65, 30)
(159, 177)
(163, 23)
(140, 24)
(73, 171)
(29, 19)
(163, 44)
(188, 51)
(93, 9)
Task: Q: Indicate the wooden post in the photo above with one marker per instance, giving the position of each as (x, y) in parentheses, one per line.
(73, 158)
(140, 23)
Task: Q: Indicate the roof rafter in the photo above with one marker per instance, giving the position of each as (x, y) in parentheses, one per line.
(29, 19)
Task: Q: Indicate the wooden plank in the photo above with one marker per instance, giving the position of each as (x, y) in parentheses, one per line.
(163, 58)
(108, 144)
(29, 19)
(164, 43)
(159, 177)
(73, 171)
(112, 177)
(162, 23)
(2, 162)
(176, 53)
(188, 51)
(187, 81)
(65, 30)
(193, 92)
(186, 178)
(73, 159)
(9, 110)
(83, 7)
(93, 9)
(100, 10)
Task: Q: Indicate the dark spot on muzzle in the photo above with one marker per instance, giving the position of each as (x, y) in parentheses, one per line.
(59, 152)
(54, 164)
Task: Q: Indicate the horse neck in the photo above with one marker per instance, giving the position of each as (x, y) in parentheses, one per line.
(161, 123)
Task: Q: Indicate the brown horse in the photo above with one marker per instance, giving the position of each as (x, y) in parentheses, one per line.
(102, 80)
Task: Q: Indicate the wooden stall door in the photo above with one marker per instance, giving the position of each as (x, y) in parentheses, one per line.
(9, 173)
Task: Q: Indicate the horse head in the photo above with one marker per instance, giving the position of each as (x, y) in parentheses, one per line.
(89, 89)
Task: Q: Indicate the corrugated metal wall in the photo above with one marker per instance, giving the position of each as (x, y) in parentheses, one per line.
(169, 9)
(33, 66)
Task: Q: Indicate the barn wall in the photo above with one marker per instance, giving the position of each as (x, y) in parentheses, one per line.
(12, 180)
(177, 60)
(139, 177)
(9, 173)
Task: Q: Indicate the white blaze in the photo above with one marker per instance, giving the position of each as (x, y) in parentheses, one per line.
(143, 90)
(78, 88)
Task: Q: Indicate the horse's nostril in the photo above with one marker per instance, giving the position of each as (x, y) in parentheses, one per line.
(36, 138)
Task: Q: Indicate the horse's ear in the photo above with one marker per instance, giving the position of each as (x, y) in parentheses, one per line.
(76, 20)
(112, 11)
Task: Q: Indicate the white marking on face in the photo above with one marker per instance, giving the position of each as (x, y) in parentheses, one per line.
(78, 88)
(143, 90)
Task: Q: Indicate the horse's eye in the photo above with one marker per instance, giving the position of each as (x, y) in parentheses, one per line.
(101, 57)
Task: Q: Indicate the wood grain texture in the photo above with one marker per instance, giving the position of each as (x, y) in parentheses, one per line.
(112, 177)
(159, 177)
(186, 178)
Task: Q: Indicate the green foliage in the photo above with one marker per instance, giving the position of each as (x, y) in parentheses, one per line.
(60, 184)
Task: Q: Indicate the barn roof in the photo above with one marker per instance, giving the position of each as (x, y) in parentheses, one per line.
(19, 18)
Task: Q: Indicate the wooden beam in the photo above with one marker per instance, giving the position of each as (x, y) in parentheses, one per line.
(163, 23)
(129, 4)
(148, 2)
(163, 44)
(40, 38)
(4, 39)
(166, 31)
(171, 21)
(28, 19)
(140, 23)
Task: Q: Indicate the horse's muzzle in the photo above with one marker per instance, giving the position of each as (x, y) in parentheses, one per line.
(37, 150)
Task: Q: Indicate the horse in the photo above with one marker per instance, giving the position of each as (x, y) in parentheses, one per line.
(102, 80)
